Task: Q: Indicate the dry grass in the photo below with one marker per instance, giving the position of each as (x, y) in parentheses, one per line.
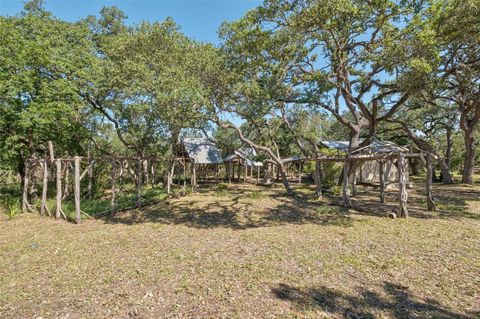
(249, 252)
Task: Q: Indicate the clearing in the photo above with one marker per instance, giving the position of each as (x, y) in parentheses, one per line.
(249, 252)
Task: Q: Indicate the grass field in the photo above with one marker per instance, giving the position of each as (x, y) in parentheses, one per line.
(249, 252)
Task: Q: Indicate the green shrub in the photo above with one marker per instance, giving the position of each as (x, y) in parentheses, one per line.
(10, 206)
(336, 190)
(222, 186)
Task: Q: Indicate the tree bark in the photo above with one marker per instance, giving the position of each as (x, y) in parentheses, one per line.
(267, 173)
(425, 146)
(381, 165)
(402, 185)
(58, 206)
(469, 163)
(43, 205)
(113, 177)
(448, 152)
(25, 187)
(265, 149)
(78, 212)
(430, 202)
(318, 179)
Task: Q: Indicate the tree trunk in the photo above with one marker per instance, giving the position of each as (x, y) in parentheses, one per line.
(43, 205)
(76, 190)
(58, 206)
(446, 175)
(139, 183)
(318, 179)
(345, 186)
(267, 173)
(402, 185)
(285, 183)
(381, 165)
(430, 202)
(448, 152)
(469, 163)
(25, 187)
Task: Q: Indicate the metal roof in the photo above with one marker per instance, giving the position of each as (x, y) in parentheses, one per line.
(240, 154)
(202, 150)
(374, 147)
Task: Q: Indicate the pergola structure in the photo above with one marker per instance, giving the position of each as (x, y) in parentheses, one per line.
(201, 153)
(240, 159)
(380, 152)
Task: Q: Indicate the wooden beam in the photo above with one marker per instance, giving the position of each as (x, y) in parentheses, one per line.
(113, 189)
(26, 180)
(381, 174)
(318, 179)
(139, 182)
(43, 205)
(58, 206)
(345, 185)
(78, 212)
(403, 196)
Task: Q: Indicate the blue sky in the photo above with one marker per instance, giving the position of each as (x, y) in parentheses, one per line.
(198, 19)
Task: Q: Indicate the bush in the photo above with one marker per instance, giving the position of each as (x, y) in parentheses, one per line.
(336, 190)
(222, 186)
(10, 206)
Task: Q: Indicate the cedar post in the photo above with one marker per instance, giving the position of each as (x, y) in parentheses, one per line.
(139, 182)
(239, 171)
(246, 172)
(44, 187)
(232, 168)
(345, 188)
(402, 209)
(251, 171)
(381, 173)
(90, 171)
(184, 174)
(25, 187)
(194, 176)
(50, 151)
(258, 174)
(318, 179)
(431, 207)
(114, 172)
(299, 172)
(228, 168)
(78, 213)
(58, 168)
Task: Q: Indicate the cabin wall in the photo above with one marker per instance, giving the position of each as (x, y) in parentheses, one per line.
(369, 172)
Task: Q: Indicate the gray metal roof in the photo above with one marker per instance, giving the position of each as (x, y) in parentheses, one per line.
(202, 151)
(374, 147)
(241, 155)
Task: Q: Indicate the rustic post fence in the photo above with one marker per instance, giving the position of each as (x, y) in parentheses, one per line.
(78, 212)
(381, 173)
(403, 196)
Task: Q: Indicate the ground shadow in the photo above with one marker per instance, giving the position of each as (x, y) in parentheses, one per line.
(245, 205)
(237, 209)
(394, 300)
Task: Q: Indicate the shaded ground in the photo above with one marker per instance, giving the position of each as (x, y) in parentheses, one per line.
(250, 252)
